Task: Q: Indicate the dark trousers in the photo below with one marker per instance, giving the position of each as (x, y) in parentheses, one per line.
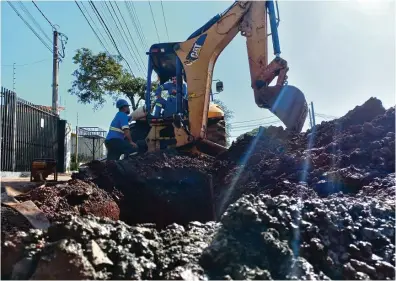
(117, 147)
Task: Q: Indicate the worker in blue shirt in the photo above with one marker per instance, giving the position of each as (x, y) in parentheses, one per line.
(119, 140)
(168, 105)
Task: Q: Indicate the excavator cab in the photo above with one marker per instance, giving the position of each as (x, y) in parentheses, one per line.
(162, 60)
(153, 132)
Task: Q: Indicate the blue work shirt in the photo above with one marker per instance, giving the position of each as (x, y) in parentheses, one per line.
(171, 88)
(168, 105)
(119, 123)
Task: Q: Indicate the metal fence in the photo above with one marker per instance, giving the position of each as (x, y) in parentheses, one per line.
(87, 144)
(28, 132)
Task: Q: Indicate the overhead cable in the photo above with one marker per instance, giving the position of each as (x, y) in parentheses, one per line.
(163, 15)
(120, 36)
(30, 27)
(136, 25)
(130, 36)
(110, 35)
(139, 63)
(25, 64)
(43, 15)
(155, 25)
(94, 31)
(246, 121)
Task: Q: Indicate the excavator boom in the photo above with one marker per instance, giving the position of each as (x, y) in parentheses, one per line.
(197, 57)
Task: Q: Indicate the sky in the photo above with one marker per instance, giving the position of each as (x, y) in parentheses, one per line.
(340, 53)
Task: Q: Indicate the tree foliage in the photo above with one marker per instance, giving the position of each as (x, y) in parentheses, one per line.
(228, 115)
(101, 75)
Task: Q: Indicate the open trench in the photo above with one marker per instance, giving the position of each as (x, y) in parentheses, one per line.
(315, 205)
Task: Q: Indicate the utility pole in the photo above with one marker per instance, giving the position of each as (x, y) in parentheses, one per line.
(313, 114)
(13, 77)
(55, 68)
(310, 117)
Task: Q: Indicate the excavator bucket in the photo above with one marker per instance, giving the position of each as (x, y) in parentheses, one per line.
(287, 103)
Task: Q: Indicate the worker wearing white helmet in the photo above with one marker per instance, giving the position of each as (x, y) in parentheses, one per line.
(119, 140)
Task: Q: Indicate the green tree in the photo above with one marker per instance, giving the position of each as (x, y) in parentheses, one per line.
(228, 115)
(101, 75)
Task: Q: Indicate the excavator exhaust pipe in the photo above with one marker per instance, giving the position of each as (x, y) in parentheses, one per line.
(286, 102)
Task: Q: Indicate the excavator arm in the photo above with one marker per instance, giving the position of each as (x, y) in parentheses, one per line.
(198, 55)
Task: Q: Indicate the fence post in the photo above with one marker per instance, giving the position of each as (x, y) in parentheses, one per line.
(76, 152)
(14, 129)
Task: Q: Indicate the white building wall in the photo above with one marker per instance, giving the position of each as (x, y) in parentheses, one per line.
(85, 147)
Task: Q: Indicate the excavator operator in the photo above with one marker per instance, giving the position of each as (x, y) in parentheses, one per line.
(119, 140)
(168, 105)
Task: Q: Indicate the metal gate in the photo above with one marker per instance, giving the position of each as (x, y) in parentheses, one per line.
(28, 132)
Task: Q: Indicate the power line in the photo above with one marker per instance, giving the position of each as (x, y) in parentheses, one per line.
(163, 15)
(136, 25)
(137, 51)
(119, 32)
(140, 64)
(103, 26)
(253, 125)
(91, 26)
(34, 20)
(26, 63)
(43, 15)
(105, 42)
(119, 37)
(326, 116)
(155, 25)
(109, 33)
(30, 27)
(259, 119)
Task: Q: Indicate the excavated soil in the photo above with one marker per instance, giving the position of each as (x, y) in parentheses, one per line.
(353, 154)
(161, 187)
(315, 205)
(74, 196)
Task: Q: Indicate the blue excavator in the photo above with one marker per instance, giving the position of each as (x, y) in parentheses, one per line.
(198, 125)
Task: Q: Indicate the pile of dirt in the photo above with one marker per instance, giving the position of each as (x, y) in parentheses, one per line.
(12, 221)
(315, 205)
(74, 196)
(354, 155)
(161, 187)
(258, 237)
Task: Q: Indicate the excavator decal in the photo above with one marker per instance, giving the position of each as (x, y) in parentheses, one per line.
(193, 55)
